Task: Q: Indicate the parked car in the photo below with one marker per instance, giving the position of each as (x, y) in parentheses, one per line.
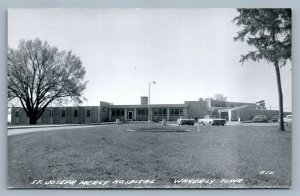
(212, 120)
(288, 119)
(275, 118)
(185, 121)
(260, 118)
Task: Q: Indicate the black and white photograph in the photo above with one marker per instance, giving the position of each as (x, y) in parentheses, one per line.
(162, 98)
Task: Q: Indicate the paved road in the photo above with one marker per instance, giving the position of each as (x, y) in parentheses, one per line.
(38, 129)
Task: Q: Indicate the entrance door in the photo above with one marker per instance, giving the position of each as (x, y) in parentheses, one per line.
(130, 115)
(224, 115)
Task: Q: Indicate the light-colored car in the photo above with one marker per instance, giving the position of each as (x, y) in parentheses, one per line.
(185, 121)
(212, 120)
(288, 119)
(260, 118)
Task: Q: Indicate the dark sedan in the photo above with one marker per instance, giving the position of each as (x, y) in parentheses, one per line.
(275, 118)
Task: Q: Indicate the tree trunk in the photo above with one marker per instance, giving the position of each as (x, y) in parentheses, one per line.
(281, 123)
(32, 117)
(32, 120)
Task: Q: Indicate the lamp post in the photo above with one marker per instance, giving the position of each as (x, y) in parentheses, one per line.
(149, 108)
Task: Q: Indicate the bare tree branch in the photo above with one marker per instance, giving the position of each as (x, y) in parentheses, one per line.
(39, 74)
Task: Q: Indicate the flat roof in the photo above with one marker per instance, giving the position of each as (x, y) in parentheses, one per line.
(236, 108)
(152, 106)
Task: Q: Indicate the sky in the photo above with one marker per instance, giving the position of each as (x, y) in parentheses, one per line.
(189, 53)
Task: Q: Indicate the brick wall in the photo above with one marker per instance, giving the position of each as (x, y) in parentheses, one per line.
(56, 115)
(81, 115)
(104, 111)
(21, 119)
(94, 114)
(69, 115)
(45, 117)
(142, 117)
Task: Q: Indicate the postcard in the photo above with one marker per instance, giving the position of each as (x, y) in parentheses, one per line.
(149, 98)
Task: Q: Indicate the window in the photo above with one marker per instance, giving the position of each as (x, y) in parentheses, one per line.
(181, 112)
(117, 112)
(103, 109)
(176, 112)
(75, 113)
(164, 112)
(159, 112)
(155, 112)
(142, 111)
(17, 113)
(88, 113)
(63, 113)
(51, 113)
(171, 112)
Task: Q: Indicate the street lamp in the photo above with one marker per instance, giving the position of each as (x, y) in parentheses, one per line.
(149, 109)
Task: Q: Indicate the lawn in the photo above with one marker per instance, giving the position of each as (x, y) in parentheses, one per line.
(151, 156)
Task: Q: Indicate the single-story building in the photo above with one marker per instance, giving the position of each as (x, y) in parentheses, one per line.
(107, 112)
(246, 112)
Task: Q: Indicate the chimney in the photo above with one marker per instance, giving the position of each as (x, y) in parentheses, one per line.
(144, 100)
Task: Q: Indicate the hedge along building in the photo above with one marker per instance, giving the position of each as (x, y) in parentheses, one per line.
(107, 112)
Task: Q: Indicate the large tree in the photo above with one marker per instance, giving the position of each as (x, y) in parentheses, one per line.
(220, 97)
(39, 74)
(268, 31)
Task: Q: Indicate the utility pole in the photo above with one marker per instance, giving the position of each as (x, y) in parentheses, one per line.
(149, 108)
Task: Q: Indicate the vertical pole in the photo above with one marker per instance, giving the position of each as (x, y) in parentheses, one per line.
(149, 109)
(125, 114)
(134, 114)
(168, 114)
(229, 115)
(280, 95)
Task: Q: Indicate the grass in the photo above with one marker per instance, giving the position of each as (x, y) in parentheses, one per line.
(152, 152)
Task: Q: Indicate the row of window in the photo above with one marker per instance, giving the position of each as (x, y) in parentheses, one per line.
(142, 111)
(63, 113)
(75, 113)
(117, 112)
(120, 112)
(176, 112)
(159, 112)
(155, 112)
